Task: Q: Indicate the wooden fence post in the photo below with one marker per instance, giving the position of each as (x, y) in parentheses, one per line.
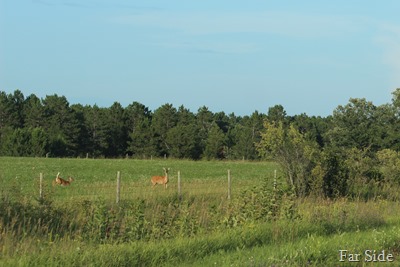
(179, 184)
(118, 186)
(41, 185)
(229, 184)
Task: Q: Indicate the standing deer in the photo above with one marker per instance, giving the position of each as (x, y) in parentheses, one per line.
(161, 179)
(61, 181)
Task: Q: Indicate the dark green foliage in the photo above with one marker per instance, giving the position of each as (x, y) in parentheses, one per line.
(182, 141)
(61, 126)
(164, 119)
(276, 114)
(24, 141)
(117, 135)
(333, 172)
(215, 142)
(244, 135)
(140, 134)
(312, 127)
(141, 142)
(33, 112)
(56, 129)
(96, 142)
(360, 124)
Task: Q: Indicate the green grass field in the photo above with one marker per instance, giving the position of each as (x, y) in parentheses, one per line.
(96, 178)
(81, 225)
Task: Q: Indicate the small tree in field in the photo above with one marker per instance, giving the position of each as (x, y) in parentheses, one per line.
(292, 151)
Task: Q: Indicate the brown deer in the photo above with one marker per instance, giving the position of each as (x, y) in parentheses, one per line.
(161, 179)
(61, 181)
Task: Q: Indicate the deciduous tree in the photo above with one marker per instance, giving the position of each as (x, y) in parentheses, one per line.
(291, 150)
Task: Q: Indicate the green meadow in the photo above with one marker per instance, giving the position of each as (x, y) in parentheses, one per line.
(261, 225)
(97, 178)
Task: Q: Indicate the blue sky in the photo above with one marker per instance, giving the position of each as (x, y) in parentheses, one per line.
(231, 56)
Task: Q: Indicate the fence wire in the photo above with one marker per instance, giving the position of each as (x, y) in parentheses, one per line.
(79, 190)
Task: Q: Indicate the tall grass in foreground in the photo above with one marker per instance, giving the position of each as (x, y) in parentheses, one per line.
(279, 243)
(313, 250)
(178, 239)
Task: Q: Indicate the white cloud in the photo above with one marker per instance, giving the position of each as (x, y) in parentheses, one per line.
(281, 23)
(205, 32)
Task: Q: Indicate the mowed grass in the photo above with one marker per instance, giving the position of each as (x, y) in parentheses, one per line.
(97, 178)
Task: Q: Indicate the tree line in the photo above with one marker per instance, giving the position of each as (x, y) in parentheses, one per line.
(30, 126)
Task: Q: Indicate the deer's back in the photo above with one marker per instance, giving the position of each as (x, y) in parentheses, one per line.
(158, 179)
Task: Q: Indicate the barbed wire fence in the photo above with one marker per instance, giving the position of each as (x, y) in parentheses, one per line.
(122, 190)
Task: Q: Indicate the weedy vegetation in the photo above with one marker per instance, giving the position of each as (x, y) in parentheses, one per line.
(263, 224)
